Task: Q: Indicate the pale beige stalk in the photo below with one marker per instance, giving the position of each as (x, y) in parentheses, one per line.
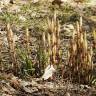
(11, 43)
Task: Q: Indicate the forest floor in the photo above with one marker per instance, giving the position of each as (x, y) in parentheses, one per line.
(11, 85)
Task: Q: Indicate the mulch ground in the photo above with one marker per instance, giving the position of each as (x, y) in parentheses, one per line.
(11, 85)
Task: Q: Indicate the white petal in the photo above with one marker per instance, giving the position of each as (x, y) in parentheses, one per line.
(49, 70)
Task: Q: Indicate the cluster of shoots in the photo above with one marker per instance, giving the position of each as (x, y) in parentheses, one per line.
(80, 56)
(51, 40)
(11, 44)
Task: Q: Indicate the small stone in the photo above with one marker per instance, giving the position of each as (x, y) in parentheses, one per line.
(35, 1)
(68, 94)
(22, 18)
